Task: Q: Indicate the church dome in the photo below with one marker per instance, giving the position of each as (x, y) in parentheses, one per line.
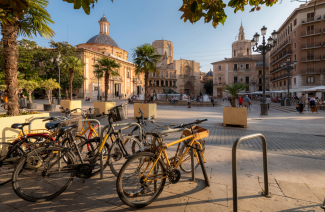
(103, 39)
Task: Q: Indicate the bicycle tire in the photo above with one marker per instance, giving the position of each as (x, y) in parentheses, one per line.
(206, 177)
(90, 153)
(8, 166)
(123, 195)
(19, 185)
(185, 167)
(115, 155)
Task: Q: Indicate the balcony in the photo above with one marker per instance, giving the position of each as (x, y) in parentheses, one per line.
(117, 79)
(312, 58)
(311, 45)
(287, 53)
(280, 77)
(312, 19)
(311, 32)
(276, 70)
(310, 71)
(281, 46)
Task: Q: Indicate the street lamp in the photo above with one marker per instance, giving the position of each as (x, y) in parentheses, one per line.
(263, 49)
(134, 80)
(288, 66)
(58, 63)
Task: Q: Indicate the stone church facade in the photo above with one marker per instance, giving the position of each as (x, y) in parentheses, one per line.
(183, 76)
(103, 45)
(243, 67)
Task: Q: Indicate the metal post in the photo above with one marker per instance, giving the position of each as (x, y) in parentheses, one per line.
(59, 97)
(192, 165)
(234, 167)
(98, 87)
(264, 109)
(288, 103)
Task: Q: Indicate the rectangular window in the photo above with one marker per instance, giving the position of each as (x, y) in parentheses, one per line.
(234, 53)
(291, 27)
(295, 22)
(241, 66)
(310, 55)
(310, 16)
(294, 81)
(284, 83)
(310, 80)
(219, 80)
(235, 79)
(295, 57)
(247, 66)
(294, 34)
(219, 67)
(95, 88)
(235, 67)
(280, 84)
(294, 46)
(247, 80)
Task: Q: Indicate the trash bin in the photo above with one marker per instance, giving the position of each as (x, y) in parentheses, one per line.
(22, 102)
(282, 102)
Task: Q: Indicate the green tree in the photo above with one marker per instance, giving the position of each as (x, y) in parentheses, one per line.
(105, 67)
(146, 61)
(30, 86)
(72, 65)
(233, 90)
(20, 18)
(49, 85)
(208, 86)
(78, 80)
(193, 10)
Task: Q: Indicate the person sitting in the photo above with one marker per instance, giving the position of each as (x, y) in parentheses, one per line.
(175, 99)
(86, 99)
(172, 99)
(89, 99)
(198, 99)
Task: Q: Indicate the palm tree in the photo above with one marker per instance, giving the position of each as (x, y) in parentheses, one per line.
(72, 65)
(20, 18)
(106, 66)
(146, 60)
(233, 90)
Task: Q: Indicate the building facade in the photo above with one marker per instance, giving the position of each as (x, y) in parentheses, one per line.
(302, 38)
(242, 67)
(102, 45)
(183, 76)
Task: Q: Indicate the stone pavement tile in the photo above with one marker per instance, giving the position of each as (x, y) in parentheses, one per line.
(216, 193)
(298, 191)
(318, 191)
(101, 189)
(166, 202)
(195, 205)
(7, 208)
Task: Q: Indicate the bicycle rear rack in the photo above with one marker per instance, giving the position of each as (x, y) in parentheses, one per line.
(234, 167)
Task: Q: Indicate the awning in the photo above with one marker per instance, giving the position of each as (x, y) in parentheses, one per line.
(319, 88)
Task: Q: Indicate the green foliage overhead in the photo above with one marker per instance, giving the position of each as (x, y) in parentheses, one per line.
(193, 10)
(208, 86)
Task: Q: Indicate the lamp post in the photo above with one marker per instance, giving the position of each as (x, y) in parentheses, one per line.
(153, 84)
(288, 66)
(263, 49)
(58, 63)
(134, 80)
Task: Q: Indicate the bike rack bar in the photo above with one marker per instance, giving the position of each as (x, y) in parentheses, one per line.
(130, 124)
(234, 167)
(30, 123)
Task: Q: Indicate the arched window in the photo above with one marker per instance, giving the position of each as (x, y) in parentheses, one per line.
(162, 83)
(128, 74)
(234, 53)
(242, 37)
(167, 74)
(247, 51)
(157, 83)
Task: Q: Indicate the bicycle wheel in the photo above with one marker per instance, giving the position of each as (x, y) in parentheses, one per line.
(89, 150)
(8, 161)
(206, 177)
(116, 155)
(48, 179)
(131, 186)
(186, 164)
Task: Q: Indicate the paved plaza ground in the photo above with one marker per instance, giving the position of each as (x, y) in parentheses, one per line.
(296, 160)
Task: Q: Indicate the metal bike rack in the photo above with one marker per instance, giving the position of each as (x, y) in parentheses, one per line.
(102, 137)
(30, 123)
(234, 167)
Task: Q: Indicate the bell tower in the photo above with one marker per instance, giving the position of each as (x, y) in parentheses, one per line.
(104, 26)
(241, 47)
(241, 35)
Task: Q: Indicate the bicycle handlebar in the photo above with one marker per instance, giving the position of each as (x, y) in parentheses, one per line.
(196, 122)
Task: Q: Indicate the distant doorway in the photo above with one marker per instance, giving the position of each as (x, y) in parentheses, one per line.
(117, 90)
(187, 91)
(138, 90)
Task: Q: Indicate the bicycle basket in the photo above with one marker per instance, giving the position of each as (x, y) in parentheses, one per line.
(120, 112)
(200, 132)
(93, 115)
(74, 120)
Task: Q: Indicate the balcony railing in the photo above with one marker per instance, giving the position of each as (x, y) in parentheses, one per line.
(311, 58)
(311, 45)
(280, 77)
(311, 32)
(312, 71)
(288, 52)
(280, 47)
(275, 70)
(315, 18)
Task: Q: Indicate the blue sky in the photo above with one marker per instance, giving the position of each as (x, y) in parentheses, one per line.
(134, 22)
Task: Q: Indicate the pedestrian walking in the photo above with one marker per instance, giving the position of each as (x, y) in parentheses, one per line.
(240, 101)
(229, 99)
(246, 101)
(189, 102)
(212, 101)
(313, 106)
(302, 99)
(268, 102)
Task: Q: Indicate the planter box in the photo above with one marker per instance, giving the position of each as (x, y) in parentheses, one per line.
(148, 109)
(70, 104)
(31, 105)
(7, 134)
(49, 107)
(235, 116)
(104, 106)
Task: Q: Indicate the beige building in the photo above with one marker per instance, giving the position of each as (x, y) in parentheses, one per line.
(183, 76)
(102, 45)
(301, 37)
(241, 67)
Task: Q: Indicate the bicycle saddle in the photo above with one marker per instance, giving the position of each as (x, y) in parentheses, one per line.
(19, 126)
(65, 129)
(53, 125)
